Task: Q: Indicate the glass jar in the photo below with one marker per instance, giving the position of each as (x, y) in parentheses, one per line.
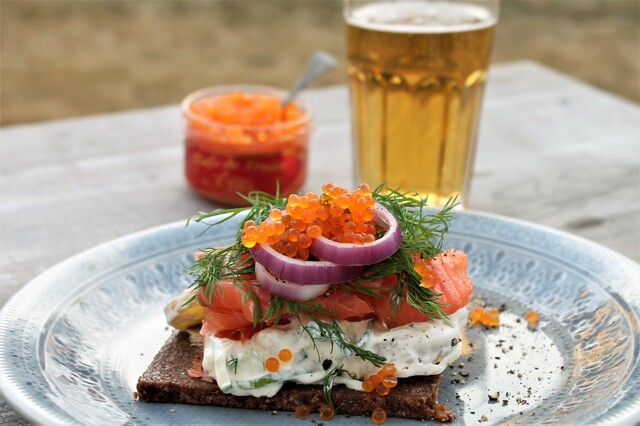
(238, 140)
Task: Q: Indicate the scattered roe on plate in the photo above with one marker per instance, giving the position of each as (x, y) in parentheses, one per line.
(339, 215)
(532, 317)
(379, 416)
(487, 317)
(326, 412)
(302, 411)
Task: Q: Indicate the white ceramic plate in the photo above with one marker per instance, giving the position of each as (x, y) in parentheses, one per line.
(75, 339)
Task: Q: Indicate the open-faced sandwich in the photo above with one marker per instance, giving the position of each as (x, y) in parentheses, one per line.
(340, 302)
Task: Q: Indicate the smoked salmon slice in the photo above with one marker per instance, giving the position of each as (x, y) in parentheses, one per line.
(450, 281)
(344, 305)
(227, 314)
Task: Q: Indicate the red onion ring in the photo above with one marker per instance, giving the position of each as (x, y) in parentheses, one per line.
(362, 254)
(304, 271)
(288, 290)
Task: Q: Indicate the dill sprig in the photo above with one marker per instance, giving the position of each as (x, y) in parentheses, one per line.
(359, 287)
(422, 235)
(279, 307)
(422, 231)
(226, 263)
(233, 364)
(233, 262)
(260, 202)
(332, 331)
(329, 329)
(327, 384)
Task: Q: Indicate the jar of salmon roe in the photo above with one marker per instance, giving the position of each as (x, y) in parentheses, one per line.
(238, 139)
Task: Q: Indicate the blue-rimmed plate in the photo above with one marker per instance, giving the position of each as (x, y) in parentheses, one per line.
(75, 339)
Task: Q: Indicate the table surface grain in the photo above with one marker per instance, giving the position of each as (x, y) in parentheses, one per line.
(552, 150)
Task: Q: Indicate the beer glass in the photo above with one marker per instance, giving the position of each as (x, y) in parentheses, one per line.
(417, 71)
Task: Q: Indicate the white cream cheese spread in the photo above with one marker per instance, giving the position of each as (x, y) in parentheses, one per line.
(417, 349)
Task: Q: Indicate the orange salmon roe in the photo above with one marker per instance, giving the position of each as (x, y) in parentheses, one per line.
(389, 369)
(285, 355)
(368, 385)
(302, 411)
(382, 381)
(379, 416)
(383, 390)
(375, 379)
(390, 382)
(272, 365)
(488, 317)
(245, 110)
(426, 273)
(532, 317)
(326, 412)
(339, 215)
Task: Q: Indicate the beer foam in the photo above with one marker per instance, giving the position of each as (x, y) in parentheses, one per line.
(421, 17)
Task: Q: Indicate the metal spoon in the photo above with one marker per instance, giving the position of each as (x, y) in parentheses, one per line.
(320, 63)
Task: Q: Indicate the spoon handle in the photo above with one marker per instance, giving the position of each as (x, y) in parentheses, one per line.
(320, 63)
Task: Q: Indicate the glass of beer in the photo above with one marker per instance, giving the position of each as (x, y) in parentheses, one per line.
(417, 71)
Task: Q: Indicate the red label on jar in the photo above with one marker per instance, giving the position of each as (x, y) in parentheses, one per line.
(221, 176)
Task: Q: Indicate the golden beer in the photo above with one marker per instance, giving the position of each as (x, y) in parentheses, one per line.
(417, 72)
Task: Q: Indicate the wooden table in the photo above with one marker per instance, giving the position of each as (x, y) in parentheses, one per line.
(552, 150)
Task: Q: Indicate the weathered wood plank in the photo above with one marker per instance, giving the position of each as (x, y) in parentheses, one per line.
(561, 154)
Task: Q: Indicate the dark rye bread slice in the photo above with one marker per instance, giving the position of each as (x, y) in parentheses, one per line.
(166, 380)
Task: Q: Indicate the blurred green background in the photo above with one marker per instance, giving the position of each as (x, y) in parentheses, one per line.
(61, 58)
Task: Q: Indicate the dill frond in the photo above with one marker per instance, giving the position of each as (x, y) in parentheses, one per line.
(327, 384)
(422, 235)
(332, 330)
(233, 364)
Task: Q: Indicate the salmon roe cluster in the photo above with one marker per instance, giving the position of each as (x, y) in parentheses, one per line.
(246, 119)
(245, 108)
(339, 215)
(488, 317)
(382, 382)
